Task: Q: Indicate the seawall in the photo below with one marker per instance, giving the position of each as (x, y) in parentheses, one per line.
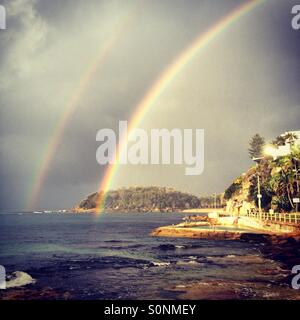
(242, 228)
(180, 232)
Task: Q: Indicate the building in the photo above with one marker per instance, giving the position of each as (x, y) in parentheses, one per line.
(285, 149)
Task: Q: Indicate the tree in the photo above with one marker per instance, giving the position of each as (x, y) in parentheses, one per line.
(256, 145)
(279, 141)
(233, 188)
(265, 190)
(295, 154)
(290, 137)
(284, 180)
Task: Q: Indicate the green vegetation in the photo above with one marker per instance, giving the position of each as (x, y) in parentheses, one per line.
(149, 199)
(283, 139)
(285, 180)
(143, 199)
(279, 177)
(265, 191)
(233, 188)
(212, 201)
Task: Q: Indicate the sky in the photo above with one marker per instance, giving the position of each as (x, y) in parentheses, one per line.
(245, 82)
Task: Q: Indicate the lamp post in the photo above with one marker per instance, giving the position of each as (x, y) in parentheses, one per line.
(215, 200)
(296, 170)
(269, 150)
(259, 196)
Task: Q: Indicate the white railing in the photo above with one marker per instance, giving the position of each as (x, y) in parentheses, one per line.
(274, 216)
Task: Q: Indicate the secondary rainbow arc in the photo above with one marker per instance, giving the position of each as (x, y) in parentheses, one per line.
(100, 57)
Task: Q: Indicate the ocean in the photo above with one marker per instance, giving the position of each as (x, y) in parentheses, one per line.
(112, 256)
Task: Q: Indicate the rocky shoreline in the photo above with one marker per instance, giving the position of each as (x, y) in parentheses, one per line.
(286, 251)
(282, 247)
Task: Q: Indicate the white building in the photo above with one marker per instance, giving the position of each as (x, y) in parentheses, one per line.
(284, 150)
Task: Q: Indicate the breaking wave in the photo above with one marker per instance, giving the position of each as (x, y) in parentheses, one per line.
(19, 279)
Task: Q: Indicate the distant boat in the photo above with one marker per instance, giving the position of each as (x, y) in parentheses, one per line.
(37, 212)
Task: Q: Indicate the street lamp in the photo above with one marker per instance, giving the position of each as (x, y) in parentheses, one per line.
(215, 200)
(259, 196)
(297, 171)
(269, 150)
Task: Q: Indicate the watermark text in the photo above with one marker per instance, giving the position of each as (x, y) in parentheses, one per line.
(2, 18)
(162, 146)
(2, 278)
(296, 278)
(296, 17)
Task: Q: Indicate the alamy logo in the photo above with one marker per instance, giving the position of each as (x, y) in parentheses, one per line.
(2, 18)
(296, 17)
(2, 277)
(164, 146)
(296, 278)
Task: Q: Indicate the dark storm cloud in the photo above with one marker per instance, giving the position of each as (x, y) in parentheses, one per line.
(247, 82)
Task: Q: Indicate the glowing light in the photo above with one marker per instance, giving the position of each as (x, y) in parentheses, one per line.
(270, 150)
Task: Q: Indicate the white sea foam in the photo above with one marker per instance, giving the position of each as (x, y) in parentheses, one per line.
(19, 279)
(191, 262)
(159, 264)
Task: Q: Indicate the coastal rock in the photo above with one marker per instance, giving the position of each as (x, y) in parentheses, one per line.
(158, 264)
(233, 290)
(166, 247)
(175, 231)
(255, 237)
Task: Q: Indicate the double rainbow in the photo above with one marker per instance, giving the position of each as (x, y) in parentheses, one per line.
(152, 95)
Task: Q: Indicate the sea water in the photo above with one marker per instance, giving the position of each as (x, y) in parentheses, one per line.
(113, 256)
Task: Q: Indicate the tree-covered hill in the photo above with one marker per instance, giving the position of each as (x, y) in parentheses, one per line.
(143, 199)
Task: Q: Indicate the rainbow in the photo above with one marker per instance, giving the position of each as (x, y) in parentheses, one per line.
(102, 53)
(165, 79)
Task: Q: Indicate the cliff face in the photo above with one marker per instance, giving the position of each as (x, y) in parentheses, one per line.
(237, 194)
(143, 199)
(89, 203)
